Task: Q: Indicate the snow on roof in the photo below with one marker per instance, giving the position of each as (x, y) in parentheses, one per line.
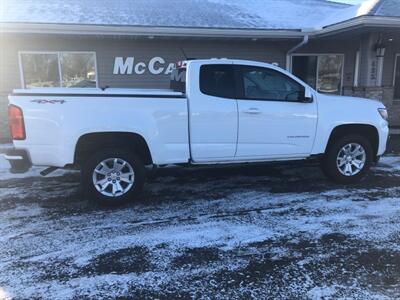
(388, 8)
(238, 14)
(365, 8)
(228, 14)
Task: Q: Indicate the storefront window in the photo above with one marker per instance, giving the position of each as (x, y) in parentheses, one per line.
(397, 78)
(330, 74)
(322, 72)
(78, 69)
(40, 70)
(60, 69)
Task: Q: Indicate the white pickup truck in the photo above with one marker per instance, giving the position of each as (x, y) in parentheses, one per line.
(218, 111)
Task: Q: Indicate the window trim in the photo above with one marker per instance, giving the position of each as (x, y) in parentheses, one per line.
(58, 53)
(396, 61)
(318, 55)
(240, 84)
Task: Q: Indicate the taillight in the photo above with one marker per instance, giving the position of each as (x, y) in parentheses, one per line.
(16, 121)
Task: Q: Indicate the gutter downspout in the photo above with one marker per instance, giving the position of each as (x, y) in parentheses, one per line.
(291, 51)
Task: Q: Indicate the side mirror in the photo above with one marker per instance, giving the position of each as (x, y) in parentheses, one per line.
(308, 96)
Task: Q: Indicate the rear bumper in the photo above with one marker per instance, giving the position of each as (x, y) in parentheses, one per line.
(19, 160)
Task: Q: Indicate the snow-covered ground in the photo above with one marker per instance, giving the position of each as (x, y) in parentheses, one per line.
(279, 231)
(33, 172)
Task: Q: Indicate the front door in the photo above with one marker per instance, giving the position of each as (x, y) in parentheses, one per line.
(274, 119)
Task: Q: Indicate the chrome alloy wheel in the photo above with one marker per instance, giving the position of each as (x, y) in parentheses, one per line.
(113, 177)
(351, 159)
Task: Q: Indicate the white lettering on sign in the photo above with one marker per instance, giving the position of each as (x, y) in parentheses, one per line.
(123, 67)
(178, 76)
(153, 68)
(156, 66)
(140, 68)
(170, 68)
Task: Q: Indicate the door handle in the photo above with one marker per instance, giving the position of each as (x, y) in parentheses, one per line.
(253, 111)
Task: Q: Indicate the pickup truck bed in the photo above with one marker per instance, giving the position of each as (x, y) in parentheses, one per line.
(56, 119)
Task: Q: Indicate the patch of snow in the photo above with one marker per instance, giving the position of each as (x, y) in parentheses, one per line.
(5, 174)
(251, 14)
(389, 163)
(388, 8)
(352, 12)
(286, 14)
(5, 147)
(320, 293)
(4, 164)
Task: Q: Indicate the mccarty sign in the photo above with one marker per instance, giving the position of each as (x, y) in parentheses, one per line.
(155, 66)
(128, 66)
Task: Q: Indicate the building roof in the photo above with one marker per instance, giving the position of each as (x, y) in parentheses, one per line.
(229, 14)
(387, 8)
(381, 8)
(283, 18)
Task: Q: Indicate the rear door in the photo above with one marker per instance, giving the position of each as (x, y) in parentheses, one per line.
(213, 113)
(275, 121)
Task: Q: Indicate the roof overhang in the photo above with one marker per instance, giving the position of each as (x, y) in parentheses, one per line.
(359, 22)
(108, 30)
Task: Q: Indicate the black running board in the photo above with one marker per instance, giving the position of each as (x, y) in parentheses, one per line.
(47, 171)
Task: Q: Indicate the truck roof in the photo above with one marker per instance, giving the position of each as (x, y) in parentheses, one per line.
(232, 61)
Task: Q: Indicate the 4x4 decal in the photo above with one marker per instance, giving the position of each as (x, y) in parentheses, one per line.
(42, 101)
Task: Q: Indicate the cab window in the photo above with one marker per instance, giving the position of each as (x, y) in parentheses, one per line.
(217, 81)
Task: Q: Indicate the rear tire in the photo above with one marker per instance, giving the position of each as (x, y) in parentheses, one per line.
(348, 159)
(113, 177)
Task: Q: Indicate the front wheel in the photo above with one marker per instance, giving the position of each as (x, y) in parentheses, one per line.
(113, 177)
(348, 159)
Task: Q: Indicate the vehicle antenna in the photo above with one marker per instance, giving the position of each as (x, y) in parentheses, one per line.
(183, 52)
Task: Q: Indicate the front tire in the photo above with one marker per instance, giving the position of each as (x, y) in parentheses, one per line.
(348, 159)
(113, 177)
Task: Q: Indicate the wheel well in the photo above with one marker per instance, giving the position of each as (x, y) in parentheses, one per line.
(368, 131)
(90, 143)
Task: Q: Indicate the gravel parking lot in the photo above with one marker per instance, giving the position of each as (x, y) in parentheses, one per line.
(269, 231)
